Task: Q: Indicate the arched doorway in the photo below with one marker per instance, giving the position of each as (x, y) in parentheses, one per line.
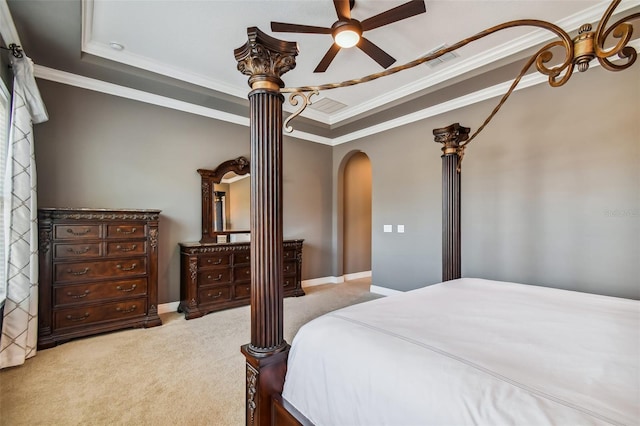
(356, 221)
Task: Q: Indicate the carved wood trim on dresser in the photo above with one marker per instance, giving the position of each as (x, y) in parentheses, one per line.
(98, 272)
(218, 276)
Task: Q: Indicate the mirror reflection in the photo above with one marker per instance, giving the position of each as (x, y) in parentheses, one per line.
(226, 195)
(231, 203)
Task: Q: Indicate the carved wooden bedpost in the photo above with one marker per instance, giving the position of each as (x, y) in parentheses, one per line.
(265, 59)
(451, 137)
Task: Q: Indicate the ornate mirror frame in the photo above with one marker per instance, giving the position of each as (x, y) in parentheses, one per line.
(239, 166)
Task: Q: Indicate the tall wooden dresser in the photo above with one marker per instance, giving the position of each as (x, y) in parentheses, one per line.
(216, 276)
(98, 272)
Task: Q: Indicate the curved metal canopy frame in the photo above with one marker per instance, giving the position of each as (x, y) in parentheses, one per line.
(265, 59)
(579, 52)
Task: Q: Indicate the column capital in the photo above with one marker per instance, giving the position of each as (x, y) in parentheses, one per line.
(451, 137)
(265, 59)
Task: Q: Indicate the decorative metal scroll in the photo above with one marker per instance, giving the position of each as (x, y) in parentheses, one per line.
(579, 52)
(306, 98)
(15, 50)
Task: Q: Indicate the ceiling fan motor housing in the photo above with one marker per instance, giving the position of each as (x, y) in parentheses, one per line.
(347, 32)
(340, 29)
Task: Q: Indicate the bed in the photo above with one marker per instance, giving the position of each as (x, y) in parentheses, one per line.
(471, 351)
(465, 351)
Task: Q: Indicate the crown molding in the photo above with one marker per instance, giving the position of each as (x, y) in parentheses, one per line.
(7, 27)
(134, 94)
(463, 66)
(75, 80)
(141, 96)
(98, 49)
(460, 102)
(457, 103)
(137, 61)
(454, 70)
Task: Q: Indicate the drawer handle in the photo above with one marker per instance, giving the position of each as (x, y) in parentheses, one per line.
(218, 278)
(286, 283)
(84, 271)
(78, 296)
(125, 249)
(133, 287)
(248, 289)
(219, 261)
(82, 318)
(126, 311)
(214, 297)
(122, 268)
(81, 251)
(248, 272)
(247, 257)
(133, 231)
(78, 234)
(286, 268)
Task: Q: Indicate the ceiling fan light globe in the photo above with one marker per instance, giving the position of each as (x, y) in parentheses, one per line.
(346, 38)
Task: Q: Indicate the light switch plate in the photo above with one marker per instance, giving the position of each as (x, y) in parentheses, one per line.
(400, 229)
(388, 228)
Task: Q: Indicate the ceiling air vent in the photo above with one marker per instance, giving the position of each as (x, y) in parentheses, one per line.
(327, 105)
(444, 58)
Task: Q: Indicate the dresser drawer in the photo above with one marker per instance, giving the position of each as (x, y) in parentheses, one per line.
(80, 316)
(75, 250)
(127, 248)
(289, 255)
(289, 282)
(242, 273)
(81, 271)
(242, 290)
(90, 292)
(98, 272)
(125, 230)
(214, 294)
(289, 268)
(242, 258)
(214, 260)
(214, 276)
(75, 232)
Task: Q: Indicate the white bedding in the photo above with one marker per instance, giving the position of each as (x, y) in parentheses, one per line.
(471, 351)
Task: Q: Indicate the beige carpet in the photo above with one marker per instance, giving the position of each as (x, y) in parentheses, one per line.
(184, 372)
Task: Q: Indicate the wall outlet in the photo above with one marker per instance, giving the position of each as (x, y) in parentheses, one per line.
(400, 229)
(388, 228)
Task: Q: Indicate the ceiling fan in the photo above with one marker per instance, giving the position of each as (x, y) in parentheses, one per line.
(347, 32)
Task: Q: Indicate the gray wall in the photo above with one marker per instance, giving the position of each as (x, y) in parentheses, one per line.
(103, 151)
(550, 190)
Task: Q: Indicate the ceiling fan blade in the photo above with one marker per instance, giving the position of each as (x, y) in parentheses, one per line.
(342, 9)
(282, 27)
(328, 57)
(407, 10)
(380, 56)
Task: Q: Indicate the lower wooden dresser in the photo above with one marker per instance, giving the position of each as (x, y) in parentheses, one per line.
(98, 272)
(216, 276)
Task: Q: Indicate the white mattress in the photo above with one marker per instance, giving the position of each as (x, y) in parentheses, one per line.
(471, 351)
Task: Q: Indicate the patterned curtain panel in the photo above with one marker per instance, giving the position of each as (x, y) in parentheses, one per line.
(20, 324)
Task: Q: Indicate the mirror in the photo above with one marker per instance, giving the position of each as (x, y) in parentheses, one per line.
(226, 201)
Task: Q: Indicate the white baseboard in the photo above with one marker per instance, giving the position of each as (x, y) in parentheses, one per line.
(357, 275)
(335, 280)
(322, 280)
(163, 308)
(383, 290)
